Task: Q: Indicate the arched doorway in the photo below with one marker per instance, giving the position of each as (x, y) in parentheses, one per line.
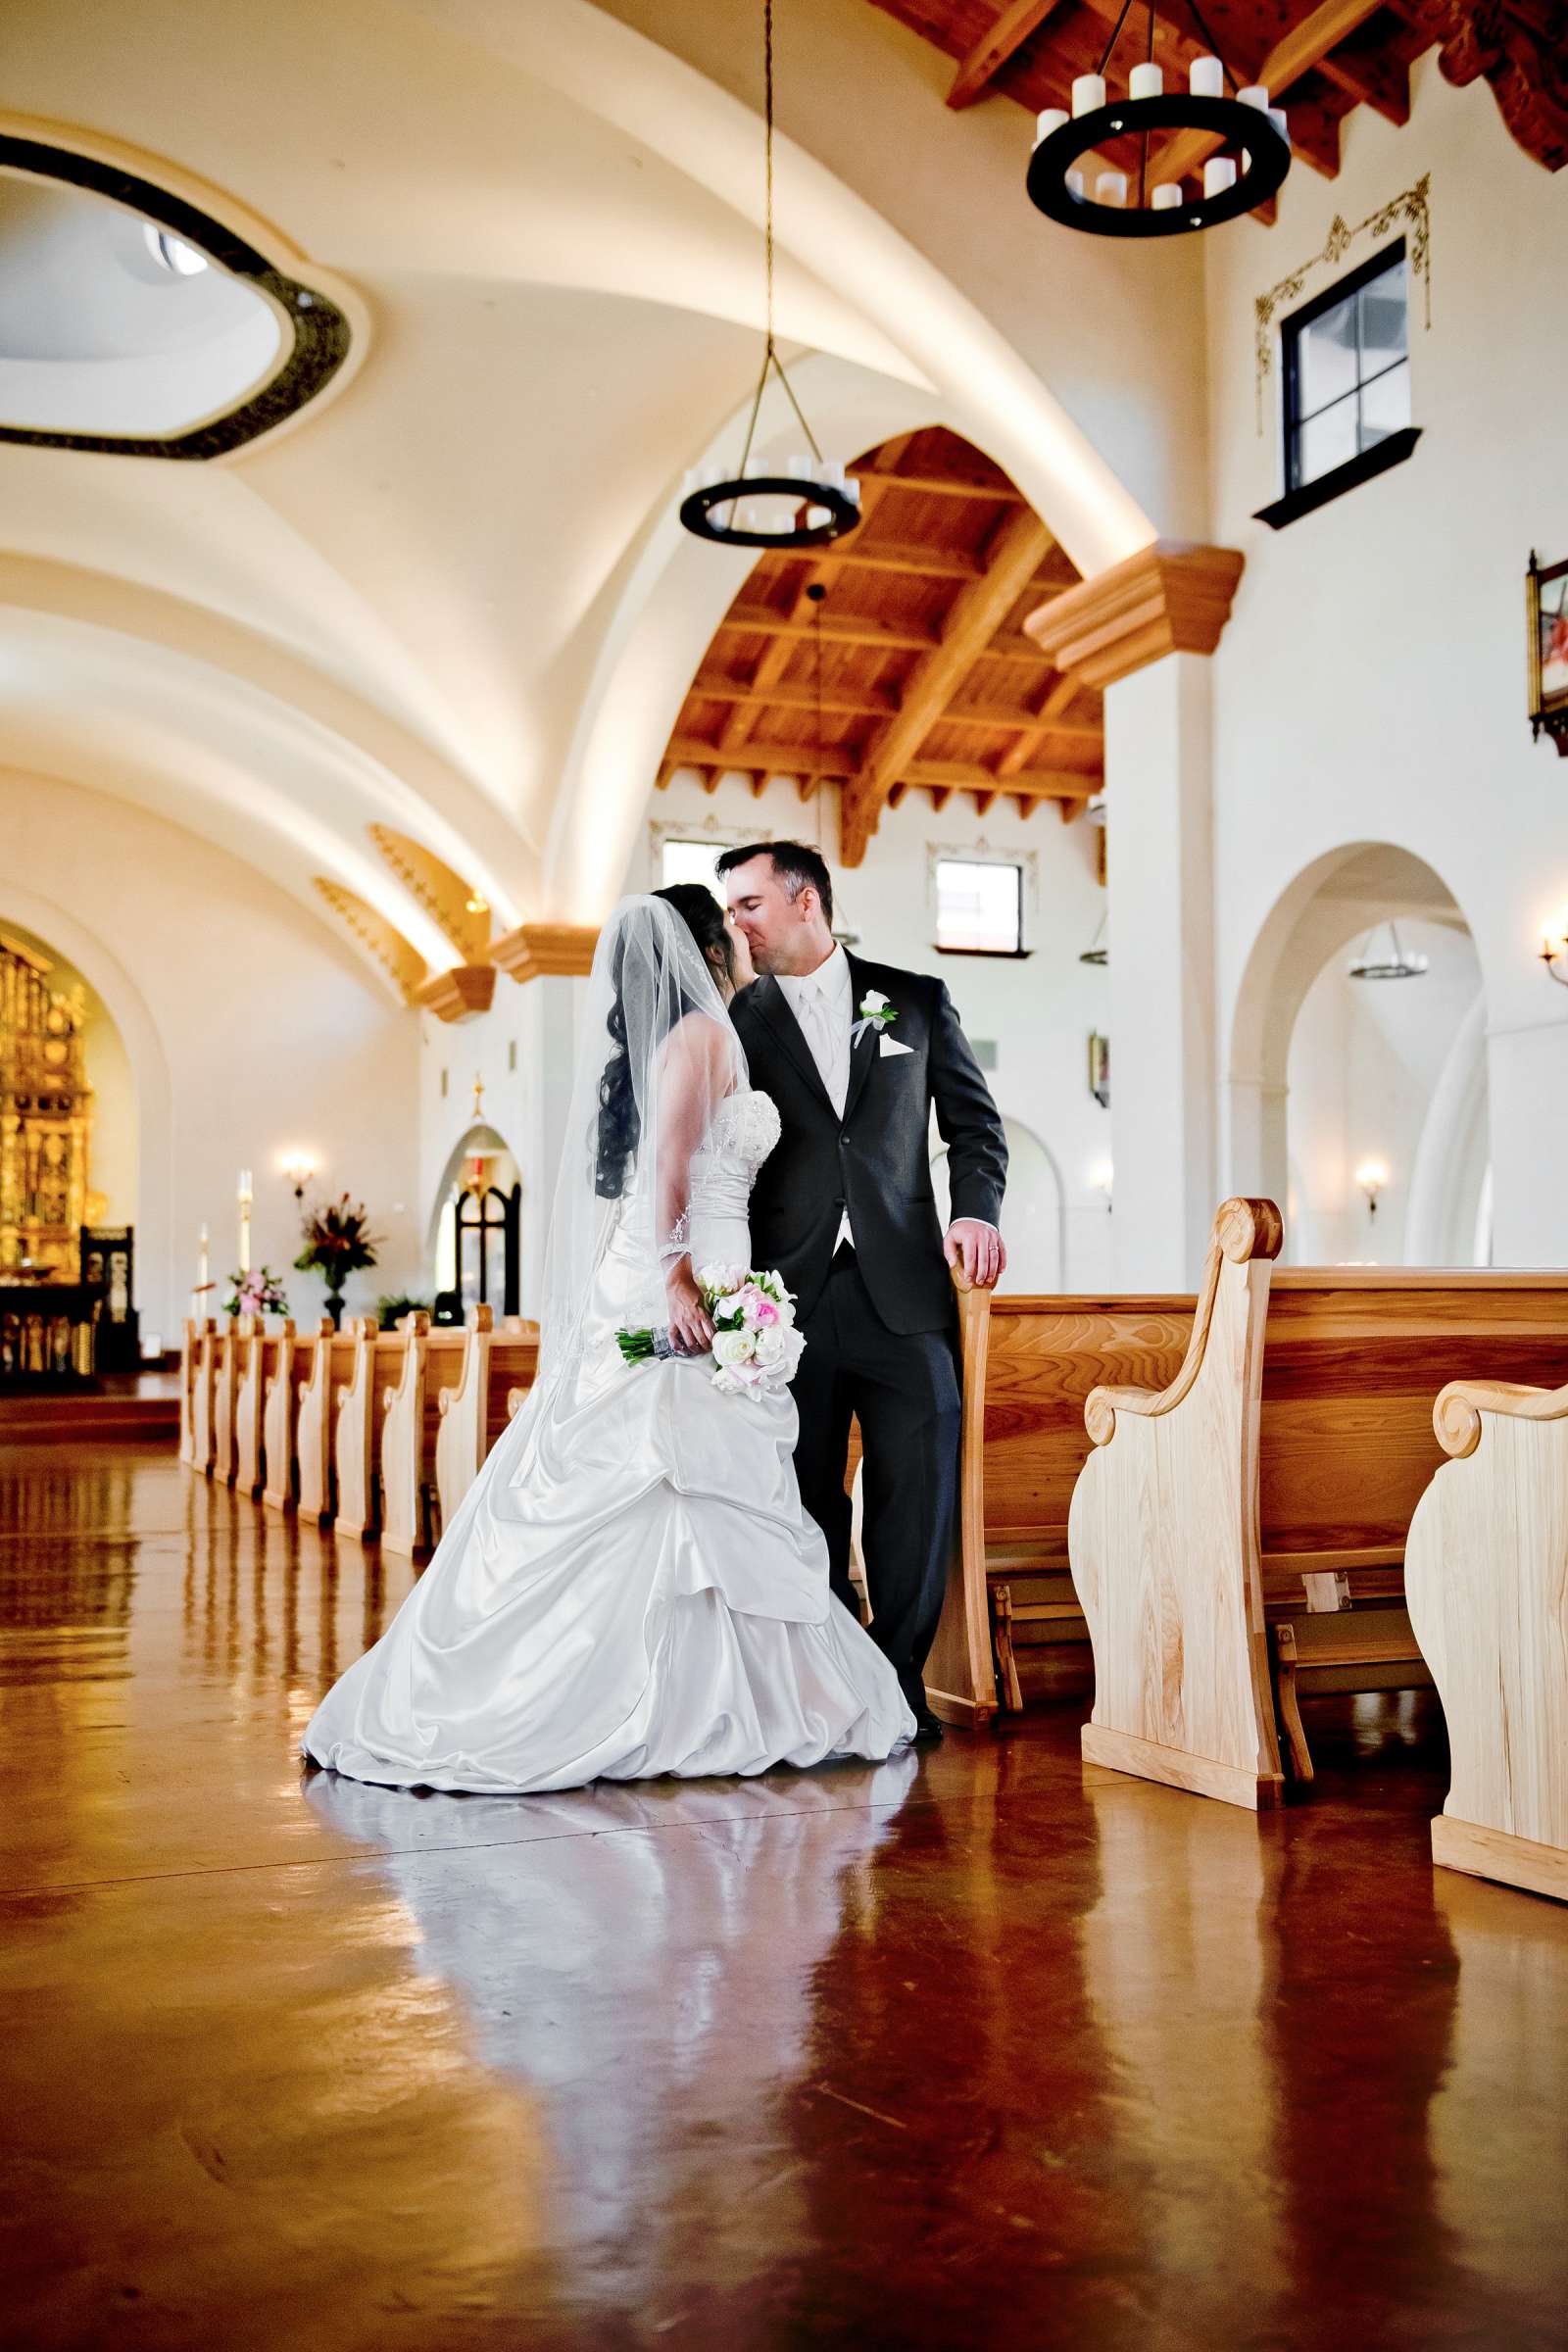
(1035, 1217)
(477, 1237)
(1357, 1077)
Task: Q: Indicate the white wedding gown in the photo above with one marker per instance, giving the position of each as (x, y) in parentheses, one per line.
(632, 1587)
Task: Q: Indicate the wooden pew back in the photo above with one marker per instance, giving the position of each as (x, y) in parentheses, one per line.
(226, 1396)
(286, 1390)
(356, 1442)
(472, 1409)
(204, 1366)
(316, 1425)
(258, 1362)
(1352, 1359)
(410, 1434)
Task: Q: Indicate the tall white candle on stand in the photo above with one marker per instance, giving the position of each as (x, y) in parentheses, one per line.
(203, 1276)
(244, 1220)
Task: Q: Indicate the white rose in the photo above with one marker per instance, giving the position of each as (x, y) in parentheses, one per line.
(732, 1347)
(767, 1347)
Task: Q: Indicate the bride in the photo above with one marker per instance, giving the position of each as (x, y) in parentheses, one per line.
(632, 1586)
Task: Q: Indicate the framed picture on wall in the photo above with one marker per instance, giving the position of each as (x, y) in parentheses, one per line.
(1546, 620)
(1100, 1068)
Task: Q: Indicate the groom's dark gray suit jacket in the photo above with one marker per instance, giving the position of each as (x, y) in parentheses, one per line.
(876, 1160)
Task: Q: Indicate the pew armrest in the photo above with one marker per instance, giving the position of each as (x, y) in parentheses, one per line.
(1456, 1415)
(1243, 1230)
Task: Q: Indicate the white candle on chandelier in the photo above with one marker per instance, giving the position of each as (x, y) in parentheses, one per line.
(1075, 185)
(1277, 115)
(1147, 81)
(1219, 174)
(1166, 197)
(1206, 79)
(1255, 94)
(1110, 188)
(1088, 92)
(1053, 118)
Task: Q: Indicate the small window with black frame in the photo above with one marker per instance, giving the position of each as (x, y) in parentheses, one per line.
(1347, 381)
(979, 906)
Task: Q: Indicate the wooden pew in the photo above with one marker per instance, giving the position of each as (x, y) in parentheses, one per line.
(1276, 1473)
(203, 1347)
(1353, 1358)
(226, 1391)
(410, 1434)
(285, 1389)
(1029, 1366)
(315, 1422)
(257, 1361)
(472, 1413)
(357, 1441)
(1487, 1579)
(188, 1385)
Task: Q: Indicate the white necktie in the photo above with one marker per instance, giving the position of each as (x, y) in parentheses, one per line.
(819, 1037)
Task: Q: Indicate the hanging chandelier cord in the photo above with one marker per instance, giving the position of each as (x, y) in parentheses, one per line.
(771, 363)
(1115, 36)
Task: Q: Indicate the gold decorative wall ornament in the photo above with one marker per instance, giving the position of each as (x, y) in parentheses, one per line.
(1410, 210)
(381, 940)
(461, 910)
(45, 1119)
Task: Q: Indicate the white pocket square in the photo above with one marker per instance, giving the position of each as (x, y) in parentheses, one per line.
(891, 1044)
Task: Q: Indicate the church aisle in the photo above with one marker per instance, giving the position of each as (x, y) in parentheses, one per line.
(976, 2046)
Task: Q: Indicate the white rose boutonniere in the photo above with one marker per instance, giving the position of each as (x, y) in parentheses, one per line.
(875, 1013)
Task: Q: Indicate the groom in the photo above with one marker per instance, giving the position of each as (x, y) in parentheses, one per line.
(855, 1054)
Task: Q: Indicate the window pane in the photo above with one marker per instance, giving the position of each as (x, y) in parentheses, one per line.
(1325, 359)
(1326, 441)
(979, 906)
(692, 861)
(1384, 405)
(1384, 337)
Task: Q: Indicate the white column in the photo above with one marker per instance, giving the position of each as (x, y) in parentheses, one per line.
(1159, 875)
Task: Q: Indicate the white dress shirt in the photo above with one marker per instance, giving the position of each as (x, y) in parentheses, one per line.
(822, 1003)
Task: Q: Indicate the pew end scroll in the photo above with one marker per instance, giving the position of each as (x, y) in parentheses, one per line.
(1163, 1544)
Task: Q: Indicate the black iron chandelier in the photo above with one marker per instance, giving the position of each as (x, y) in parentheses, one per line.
(806, 501)
(1251, 141)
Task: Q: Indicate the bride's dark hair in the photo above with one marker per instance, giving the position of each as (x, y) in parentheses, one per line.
(704, 918)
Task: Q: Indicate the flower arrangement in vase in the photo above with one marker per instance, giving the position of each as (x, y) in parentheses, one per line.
(259, 1292)
(338, 1241)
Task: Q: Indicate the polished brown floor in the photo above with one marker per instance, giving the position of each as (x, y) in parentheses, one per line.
(976, 2049)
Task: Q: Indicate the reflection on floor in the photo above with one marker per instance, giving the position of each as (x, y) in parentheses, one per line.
(974, 2049)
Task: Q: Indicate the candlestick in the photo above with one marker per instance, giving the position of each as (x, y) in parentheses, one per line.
(1219, 174)
(1088, 92)
(1147, 81)
(1206, 79)
(1110, 188)
(244, 1220)
(1167, 196)
(1051, 119)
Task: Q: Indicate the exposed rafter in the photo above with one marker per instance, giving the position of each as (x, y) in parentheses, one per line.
(1293, 54)
(976, 612)
(1016, 24)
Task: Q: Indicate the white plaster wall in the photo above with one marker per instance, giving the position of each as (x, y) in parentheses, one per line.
(249, 1030)
(1039, 1012)
(1364, 1063)
(1371, 683)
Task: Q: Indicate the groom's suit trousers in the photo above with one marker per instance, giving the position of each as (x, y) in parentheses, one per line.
(904, 1390)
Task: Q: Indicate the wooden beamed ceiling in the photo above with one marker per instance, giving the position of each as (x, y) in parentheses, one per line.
(911, 670)
(1320, 60)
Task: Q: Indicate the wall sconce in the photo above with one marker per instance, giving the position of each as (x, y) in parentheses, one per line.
(299, 1169)
(1372, 1176)
(1555, 949)
(1103, 1177)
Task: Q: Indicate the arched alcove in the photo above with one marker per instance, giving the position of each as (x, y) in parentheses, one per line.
(1035, 1220)
(1333, 1077)
(475, 1235)
(127, 1062)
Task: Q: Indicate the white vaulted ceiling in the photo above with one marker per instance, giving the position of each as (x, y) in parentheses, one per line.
(443, 595)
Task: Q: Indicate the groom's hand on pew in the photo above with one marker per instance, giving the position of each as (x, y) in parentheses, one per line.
(979, 1250)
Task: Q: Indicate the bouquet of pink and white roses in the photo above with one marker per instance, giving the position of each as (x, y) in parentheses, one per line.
(755, 1344)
